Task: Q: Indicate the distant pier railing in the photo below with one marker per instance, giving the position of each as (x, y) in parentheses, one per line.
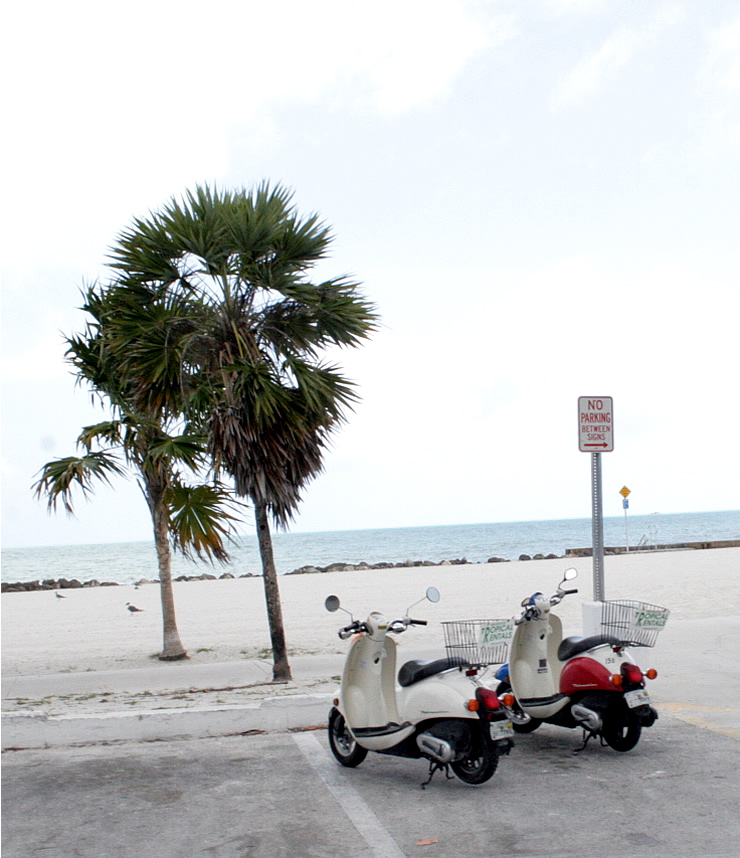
(674, 546)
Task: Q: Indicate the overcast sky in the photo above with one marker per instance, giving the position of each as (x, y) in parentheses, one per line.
(540, 197)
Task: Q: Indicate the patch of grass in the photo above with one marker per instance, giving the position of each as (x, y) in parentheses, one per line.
(266, 652)
(205, 649)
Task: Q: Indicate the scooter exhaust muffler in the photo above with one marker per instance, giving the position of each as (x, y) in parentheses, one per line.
(586, 717)
(434, 747)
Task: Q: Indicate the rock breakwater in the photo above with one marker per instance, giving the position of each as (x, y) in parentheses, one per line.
(75, 584)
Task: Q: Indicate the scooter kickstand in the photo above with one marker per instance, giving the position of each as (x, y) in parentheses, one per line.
(587, 736)
(435, 766)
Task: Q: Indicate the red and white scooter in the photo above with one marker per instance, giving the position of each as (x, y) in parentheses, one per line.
(591, 682)
(433, 709)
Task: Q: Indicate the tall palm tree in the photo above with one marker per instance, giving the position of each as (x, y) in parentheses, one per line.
(267, 399)
(195, 518)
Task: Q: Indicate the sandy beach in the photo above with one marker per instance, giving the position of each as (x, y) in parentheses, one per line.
(222, 621)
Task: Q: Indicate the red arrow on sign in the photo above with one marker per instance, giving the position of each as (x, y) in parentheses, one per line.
(596, 445)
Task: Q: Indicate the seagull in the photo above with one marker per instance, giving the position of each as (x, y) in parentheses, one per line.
(59, 596)
(133, 608)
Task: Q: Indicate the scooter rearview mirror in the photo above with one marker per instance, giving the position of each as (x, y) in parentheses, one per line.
(432, 594)
(568, 575)
(332, 604)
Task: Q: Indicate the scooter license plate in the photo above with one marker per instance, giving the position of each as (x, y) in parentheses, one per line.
(637, 698)
(501, 730)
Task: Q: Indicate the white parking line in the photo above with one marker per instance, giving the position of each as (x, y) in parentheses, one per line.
(381, 844)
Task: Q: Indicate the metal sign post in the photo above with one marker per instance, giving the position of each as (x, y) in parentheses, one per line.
(597, 528)
(596, 436)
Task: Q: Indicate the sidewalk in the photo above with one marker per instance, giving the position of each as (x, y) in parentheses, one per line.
(699, 674)
(179, 700)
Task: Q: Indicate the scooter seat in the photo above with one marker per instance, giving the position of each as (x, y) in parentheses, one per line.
(575, 645)
(416, 670)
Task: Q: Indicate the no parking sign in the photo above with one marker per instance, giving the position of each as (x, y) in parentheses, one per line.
(595, 424)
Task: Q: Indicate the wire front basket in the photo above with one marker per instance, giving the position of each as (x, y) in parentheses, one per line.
(478, 641)
(634, 623)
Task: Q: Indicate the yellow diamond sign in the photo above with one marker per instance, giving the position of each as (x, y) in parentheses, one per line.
(624, 491)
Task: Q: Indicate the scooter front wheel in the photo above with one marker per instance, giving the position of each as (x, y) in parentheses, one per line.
(480, 764)
(520, 721)
(342, 743)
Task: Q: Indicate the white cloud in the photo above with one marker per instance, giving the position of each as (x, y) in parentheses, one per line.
(722, 65)
(602, 67)
(719, 81)
(575, 7)
(428, 46)
(139, 99)
(598, 68)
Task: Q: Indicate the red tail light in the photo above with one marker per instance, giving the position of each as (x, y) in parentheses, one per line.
(632, 674)
(487, 698)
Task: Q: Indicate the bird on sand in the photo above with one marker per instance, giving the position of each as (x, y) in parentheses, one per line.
(59, 596)
(133, 608)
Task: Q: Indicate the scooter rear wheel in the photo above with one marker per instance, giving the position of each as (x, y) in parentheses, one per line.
(480, 765)
(621, 729)
(342, 743)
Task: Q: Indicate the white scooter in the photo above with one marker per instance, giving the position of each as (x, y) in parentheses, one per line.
(591, 682)
(438, 711)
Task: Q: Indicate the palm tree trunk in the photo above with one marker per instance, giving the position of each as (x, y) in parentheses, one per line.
(280, 668)
(172, 649)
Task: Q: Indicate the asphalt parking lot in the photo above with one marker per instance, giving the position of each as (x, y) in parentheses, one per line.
(282, 794)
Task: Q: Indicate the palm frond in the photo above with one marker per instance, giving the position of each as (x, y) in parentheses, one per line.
(108, 431)
(59, 477)
(201, 520)
(188, 449)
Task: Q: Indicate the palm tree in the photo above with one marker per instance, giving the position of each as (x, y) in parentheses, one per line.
(267, 399)
(195, 518)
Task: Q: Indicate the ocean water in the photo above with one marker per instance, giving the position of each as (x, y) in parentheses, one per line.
(128, 562)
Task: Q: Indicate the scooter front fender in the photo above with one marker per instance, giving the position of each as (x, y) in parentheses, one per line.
(534, 668)
(367, 695)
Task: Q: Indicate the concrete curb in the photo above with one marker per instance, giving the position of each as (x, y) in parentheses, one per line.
(35, 729)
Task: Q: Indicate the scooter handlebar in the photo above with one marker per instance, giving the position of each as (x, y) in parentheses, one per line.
(525, 615)
(558, 597)
(396, 626)
(351, 629)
